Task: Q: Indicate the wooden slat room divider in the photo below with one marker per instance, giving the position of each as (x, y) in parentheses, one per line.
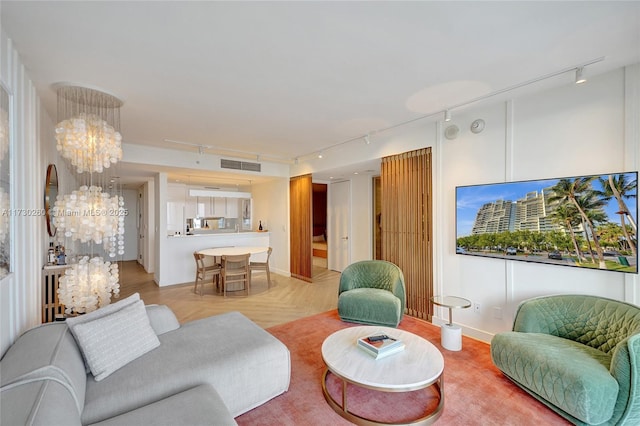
(301, 192)
(406, 225)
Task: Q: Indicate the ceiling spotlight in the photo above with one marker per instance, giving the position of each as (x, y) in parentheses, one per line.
(366, 139)
(200, 150)
(447, 115)
(320, 154)
(295, 161)
(580, 78)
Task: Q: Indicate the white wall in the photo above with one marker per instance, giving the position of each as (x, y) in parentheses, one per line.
(569, 130)
(20, 290)
(147, 226)
(271, 205)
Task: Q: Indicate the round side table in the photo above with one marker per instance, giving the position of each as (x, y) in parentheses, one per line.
(451, 335)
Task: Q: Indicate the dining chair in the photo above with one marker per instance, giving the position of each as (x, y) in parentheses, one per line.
(202, 270)
(262, 266)
(235, 269)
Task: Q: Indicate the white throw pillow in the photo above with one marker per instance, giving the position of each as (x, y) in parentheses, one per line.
(111, 340)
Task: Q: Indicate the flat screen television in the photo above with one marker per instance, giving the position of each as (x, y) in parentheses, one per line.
(580, 221)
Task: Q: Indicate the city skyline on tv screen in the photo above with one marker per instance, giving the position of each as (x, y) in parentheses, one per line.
(552, 220)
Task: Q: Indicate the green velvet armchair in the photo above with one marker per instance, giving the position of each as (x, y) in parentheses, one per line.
(578, 354)
(372, 292)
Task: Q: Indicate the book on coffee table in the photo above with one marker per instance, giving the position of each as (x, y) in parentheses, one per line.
(380, 346)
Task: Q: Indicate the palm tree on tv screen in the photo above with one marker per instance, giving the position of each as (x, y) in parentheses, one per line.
(617, 186)
(568, 190)
(568, 216)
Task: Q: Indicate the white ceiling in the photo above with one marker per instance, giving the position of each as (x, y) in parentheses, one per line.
(285, 79)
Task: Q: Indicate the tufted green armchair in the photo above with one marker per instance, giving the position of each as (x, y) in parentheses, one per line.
(372, 292)
(578, 354)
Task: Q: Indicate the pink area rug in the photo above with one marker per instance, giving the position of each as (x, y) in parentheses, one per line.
(476, 392)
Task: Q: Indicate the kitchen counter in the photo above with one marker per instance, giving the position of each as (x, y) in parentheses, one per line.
(214, 233)
(176, 255)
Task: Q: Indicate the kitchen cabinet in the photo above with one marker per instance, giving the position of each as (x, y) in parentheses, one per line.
(191, 207)
(206, 203)
(175, 208)
(232, 209)
(219, 207)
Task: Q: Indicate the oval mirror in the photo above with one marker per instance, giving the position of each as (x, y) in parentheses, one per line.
(50, 194)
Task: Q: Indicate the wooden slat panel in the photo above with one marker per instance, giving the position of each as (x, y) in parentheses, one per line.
(301, 193)
(406, 224)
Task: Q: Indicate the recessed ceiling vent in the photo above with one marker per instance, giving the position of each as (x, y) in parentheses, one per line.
(240, 165)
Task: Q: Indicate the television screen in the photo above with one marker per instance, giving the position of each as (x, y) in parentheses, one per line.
(581, 221)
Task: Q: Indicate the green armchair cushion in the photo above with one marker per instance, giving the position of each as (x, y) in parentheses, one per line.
(370, 306)
(578, 354)
(372, 292)
(554, 369)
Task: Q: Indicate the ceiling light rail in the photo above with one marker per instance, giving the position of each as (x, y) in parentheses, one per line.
(578, 69)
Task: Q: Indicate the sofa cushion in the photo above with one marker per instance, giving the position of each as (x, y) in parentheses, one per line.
(572, 376)
(43, 349)
(162, 318)
(370, 306)
(38, 403)
(112, 341)
(200, 405)
(244, 363)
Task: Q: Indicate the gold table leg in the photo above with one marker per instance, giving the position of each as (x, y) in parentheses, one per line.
(354, 418)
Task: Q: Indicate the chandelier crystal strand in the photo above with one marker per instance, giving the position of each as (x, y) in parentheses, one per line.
(90, 215)
(88, 285)
(89, 143)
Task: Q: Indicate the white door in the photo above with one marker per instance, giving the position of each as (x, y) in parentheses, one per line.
(339, 246)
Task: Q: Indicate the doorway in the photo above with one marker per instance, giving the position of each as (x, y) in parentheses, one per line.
(319, 231)
(339, 225)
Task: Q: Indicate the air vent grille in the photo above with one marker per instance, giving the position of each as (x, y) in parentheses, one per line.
(240, 165)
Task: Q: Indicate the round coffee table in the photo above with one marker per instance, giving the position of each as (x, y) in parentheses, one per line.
(419, 366)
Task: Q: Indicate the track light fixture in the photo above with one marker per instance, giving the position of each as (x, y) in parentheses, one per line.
(580, 78)
(366, 139)
(320, 154)
(447, 115)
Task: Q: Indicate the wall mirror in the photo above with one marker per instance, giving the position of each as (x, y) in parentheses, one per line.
(50, 194)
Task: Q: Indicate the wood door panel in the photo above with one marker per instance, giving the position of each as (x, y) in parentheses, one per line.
(301, 224)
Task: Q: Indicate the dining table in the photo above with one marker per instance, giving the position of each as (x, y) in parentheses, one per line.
(233, 250)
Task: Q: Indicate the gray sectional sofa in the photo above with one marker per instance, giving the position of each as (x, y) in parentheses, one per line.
(203, 372)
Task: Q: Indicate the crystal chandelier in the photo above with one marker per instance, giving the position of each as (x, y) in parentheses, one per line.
(88, 285)
(89, 214)
(88, 127)
(87, 135)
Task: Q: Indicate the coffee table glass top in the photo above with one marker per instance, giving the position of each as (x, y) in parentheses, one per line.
(417, 366)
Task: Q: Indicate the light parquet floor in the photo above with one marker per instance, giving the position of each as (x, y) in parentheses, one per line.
(288, 298)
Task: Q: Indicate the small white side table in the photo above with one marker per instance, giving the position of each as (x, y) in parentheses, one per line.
(451, 335)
